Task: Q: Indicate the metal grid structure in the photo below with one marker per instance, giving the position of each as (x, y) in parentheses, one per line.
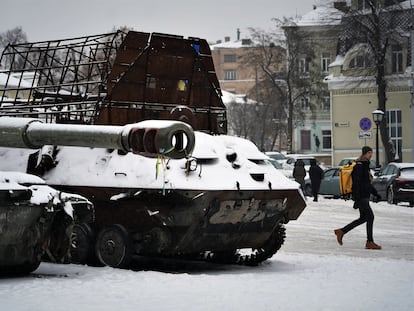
(58, 81)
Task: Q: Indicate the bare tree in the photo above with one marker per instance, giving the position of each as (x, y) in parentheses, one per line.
(380, 25)
(262, 117)
(284, 78)
(12, 36)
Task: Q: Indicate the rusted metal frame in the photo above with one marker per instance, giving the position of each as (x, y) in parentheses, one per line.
(8, 76)
(76, 80)
(91, 37)
(51, 114)
(146, 52)
(107, 50)
(190, 92)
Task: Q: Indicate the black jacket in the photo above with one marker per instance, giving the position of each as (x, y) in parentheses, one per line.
(361, 180)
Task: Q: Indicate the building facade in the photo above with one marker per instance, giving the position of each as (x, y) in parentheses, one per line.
(353, 92)
(319, 30)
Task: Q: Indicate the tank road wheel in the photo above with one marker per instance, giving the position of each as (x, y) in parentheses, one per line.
(81, 249)
(113, 246)
(390, 196)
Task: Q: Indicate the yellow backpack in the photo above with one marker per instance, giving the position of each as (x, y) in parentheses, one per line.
(345, 180)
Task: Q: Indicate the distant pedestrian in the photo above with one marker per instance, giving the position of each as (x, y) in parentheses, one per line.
(299, 173)
(361, 192)
(316, 176)
(317, 142)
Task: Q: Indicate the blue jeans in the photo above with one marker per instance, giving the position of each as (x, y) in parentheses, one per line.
(365, 215)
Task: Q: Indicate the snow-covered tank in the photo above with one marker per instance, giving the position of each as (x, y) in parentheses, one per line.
(36, 222)
(209, 196)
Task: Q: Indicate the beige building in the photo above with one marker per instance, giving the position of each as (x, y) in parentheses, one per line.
(353, 95)
(354, 98)
(233, 71)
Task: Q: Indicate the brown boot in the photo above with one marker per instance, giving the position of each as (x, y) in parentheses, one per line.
(372, 245)
(339, 234)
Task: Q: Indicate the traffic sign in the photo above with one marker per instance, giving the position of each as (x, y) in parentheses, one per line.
(365, 124)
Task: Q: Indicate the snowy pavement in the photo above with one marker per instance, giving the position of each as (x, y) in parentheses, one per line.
(310, 272)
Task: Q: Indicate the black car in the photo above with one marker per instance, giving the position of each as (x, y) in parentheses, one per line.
(395, 183)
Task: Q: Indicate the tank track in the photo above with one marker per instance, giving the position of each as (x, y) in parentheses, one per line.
(256, 256)
(232, 257)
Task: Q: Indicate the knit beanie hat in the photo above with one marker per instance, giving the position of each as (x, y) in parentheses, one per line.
(366, 149)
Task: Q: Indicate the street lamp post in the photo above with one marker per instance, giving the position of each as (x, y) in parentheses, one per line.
(377, 115)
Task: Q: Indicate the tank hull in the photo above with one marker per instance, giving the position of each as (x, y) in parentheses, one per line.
(193, 221)
(225, 198)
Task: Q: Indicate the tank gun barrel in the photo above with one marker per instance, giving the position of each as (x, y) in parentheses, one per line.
(150, 138)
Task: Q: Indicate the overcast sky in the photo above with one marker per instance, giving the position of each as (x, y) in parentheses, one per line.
(208, 19)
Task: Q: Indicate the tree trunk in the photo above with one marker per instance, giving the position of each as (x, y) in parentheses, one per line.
(389, 150)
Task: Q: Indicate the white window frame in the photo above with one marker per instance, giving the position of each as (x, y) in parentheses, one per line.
(326, 140)
(230, 75)
(394, 122)
(396, 59)
(304, 65)
(325, 61)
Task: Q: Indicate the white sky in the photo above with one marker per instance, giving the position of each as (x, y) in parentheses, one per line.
(208, 19)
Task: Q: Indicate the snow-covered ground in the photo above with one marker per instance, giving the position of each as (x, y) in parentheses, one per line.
(310, 272)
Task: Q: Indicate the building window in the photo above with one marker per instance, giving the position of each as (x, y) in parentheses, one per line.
(305, 140)
(359, 61)
(326, 105)
(325, 61)
(305, 104)
(362, 5)
(304, 65)
(396, 59)
(326, 139)
(395, 130)
(230, 58)
(230, 75)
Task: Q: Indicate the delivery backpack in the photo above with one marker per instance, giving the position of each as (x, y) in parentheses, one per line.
(345, 180)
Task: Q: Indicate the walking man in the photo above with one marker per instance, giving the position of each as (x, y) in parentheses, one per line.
(361, 192)
(316, 176)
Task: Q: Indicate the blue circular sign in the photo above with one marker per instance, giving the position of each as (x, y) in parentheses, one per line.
(365, 124)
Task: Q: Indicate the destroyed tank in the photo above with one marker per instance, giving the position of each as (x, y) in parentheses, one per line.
(195, 194)
(36, 222)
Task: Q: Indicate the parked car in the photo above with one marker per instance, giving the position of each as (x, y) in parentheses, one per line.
(279, 166)
(395, 183)
(289, 163)
(344, 161)
(275, 155)
(329, 183)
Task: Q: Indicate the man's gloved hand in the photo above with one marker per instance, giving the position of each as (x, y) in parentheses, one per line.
(356, 205)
